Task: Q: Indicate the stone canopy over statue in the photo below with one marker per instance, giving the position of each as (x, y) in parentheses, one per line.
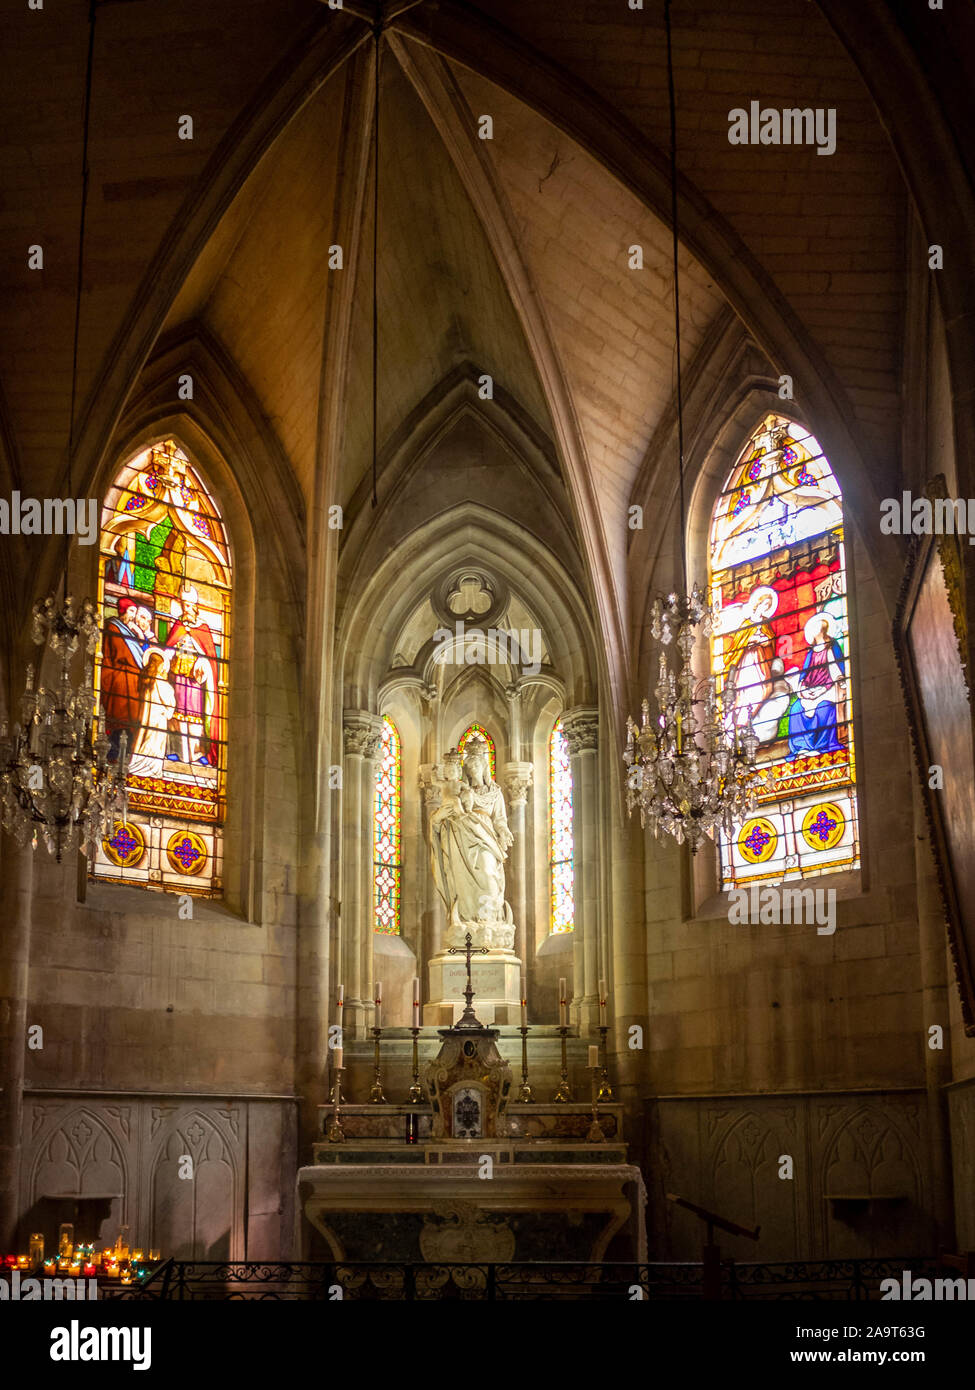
(469, 843)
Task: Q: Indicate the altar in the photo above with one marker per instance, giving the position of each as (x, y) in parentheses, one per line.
(467, 1175)
(442, 1208)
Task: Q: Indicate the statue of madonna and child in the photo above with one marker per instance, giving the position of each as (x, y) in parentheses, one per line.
(469, 843)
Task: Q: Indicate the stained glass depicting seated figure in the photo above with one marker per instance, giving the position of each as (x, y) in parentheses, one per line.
(781, 642)
(161, 671)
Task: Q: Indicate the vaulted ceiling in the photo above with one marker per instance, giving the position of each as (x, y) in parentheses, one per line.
(505, 256)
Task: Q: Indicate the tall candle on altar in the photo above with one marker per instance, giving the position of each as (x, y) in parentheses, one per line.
(562, 1019)
(416, 1003)
(602, 1003)
(377, 995)
(524, 1004)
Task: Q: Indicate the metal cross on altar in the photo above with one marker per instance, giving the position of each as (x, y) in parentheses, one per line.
(468, 1018)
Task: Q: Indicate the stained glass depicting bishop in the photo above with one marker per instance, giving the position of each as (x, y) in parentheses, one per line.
(165, 593)
(781, 632)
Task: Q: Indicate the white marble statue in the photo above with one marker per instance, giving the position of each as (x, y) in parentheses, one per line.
(469, 842)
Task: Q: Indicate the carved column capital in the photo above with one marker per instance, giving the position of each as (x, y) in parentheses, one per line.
(581, 729)
(516, 779)
(361, 733)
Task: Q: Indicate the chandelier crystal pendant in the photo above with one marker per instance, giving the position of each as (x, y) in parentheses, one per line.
(55, 777)
(691, 765)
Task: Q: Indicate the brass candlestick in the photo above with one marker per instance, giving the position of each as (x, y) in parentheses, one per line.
(595, 1135)
(525, 1093)
(376, 1096)
(605, 1089)
(336, 1134)
(563, 1091)
(416, 1090)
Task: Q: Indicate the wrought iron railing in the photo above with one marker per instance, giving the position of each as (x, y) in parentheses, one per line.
(832, 1280)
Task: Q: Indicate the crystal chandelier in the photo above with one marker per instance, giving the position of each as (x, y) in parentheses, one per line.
(55, 777)
(690, 765)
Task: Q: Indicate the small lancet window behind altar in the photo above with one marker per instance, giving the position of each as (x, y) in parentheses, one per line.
(161, 671)
(781, 628)
(476, 728)
(387, 833)
(560, 831)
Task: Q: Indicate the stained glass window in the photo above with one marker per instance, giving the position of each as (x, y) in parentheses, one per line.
(479, 729)
(560, 823)
(781, 629)
(164, 597)
(387, 830)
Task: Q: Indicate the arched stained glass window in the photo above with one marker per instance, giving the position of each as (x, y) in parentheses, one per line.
(778, 586)
(560, 830)
(387, 834)
(479, 729)
(164, 598)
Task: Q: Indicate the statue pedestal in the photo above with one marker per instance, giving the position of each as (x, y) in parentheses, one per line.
(496, 980)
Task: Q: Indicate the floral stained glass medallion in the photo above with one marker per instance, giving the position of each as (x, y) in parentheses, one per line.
(161, 671)
(781, 630)
(387, 833)
(560, 823)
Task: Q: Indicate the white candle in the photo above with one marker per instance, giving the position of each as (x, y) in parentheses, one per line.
(416, 1003)
(594, 1057)
(338, 1058)
(377, 995)
(524, 1004)
(562, 1023)
(341, 997)
(602, 1003)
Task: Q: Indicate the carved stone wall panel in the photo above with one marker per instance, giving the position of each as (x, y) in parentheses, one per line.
(961, 1112)
(724, 1154)
(108, 1162)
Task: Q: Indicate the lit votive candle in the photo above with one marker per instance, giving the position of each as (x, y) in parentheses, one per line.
(23, 1262)
(153, 1254)
(10, 1261)
(74, 1268)
(89, 1269)
(137, 1256)
(127, 1277)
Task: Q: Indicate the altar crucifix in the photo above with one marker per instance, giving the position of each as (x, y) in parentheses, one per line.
(468, 1018)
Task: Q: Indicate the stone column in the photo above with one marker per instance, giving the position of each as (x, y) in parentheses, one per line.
(516, 779)
(581, 728)
(361, 736)
(932, 931)
(433, 909)
(16, 880)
